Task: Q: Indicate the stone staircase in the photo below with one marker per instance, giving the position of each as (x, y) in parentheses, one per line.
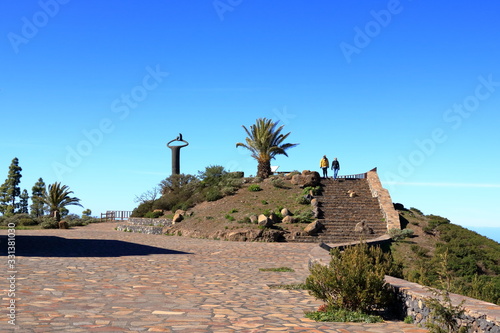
(341, 213)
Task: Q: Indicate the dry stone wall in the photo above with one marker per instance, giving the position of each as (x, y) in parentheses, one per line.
(145, 225)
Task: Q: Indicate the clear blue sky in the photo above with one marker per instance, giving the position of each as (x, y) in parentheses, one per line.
(91, 92)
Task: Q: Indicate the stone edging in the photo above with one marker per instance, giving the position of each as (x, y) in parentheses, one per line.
(384, 199)
(479, 315)
(145, 225)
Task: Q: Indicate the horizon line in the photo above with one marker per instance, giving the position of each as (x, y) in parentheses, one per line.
(477, 185)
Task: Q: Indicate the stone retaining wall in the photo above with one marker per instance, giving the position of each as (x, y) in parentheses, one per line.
(391, 216)
(479, 316)
(149, 222)
(145, 225)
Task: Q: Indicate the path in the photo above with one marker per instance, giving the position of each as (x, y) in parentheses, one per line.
(96, 279)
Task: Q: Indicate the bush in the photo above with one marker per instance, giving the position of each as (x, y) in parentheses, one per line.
(48, 222)
(304, 216)
(303, 200)
(278, 182)
(342, 316)
(400, 234)
(315, 190)
(153, 215)
(254, 188)
(354, 279)
(213, 194)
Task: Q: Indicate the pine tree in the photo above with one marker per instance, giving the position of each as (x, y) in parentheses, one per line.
(23, 202)
(4, 199)
(12, 189)
(37, 193)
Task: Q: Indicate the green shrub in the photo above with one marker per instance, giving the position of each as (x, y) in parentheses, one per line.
(254, 188)
(445, 317)
(400, 234)
(48, 222)
(343, 316)
(315, 190)
(20, 220)
(354, 279)
(304, 216)
(213, 194)
(303, 200)
(278, 182)
(153, 215)
(229, 217)
(245, 220)
(278, 269)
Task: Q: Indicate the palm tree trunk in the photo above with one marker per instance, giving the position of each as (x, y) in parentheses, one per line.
(264, 169)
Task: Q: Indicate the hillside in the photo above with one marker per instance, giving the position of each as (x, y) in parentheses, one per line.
(473, 260)
(229, 217)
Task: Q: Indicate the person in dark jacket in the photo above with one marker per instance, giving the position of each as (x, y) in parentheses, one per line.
(335, 167)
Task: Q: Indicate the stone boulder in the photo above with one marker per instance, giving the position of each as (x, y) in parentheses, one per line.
(63, 225)
(177, 218)
(306, 178)
(254, 219)
(363, 228)
(314, 202)
(317, 212)
(285, 212)
(264, 221)
(352, 194)
(313, 228)
(288, 219)
(274, 218)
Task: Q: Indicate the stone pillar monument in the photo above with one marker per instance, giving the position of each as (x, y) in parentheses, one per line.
(176, 152)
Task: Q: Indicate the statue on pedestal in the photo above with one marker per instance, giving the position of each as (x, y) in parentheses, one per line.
(176, 153)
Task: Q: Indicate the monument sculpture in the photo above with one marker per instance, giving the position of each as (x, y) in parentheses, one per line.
(176, 153)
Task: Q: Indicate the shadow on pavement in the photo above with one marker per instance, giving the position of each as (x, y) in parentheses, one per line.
(52, 246)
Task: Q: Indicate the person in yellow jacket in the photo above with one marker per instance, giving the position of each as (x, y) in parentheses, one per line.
(324, 164)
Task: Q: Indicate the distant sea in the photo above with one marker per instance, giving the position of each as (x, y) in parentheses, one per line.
(490, 232)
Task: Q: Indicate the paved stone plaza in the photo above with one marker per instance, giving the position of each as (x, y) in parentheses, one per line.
(96, 279)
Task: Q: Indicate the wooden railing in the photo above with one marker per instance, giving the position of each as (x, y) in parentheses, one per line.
(115, 215)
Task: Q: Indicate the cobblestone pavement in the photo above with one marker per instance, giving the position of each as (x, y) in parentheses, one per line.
(96, 279)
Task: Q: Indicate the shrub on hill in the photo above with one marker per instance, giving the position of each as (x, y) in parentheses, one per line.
(473, 261)
(354, 279)
(184, 191)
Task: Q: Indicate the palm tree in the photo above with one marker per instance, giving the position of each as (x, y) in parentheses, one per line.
(58, 197)
(265, 141)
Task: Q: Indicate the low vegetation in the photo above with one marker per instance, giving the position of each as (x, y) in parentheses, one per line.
(27, 221)
(473, 261)
(353, 281)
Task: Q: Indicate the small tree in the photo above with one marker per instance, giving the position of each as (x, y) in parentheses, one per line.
(445, 317)
(4, 199)
(37, 193)
(10, 189)
(86, 212)
(23, 202)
